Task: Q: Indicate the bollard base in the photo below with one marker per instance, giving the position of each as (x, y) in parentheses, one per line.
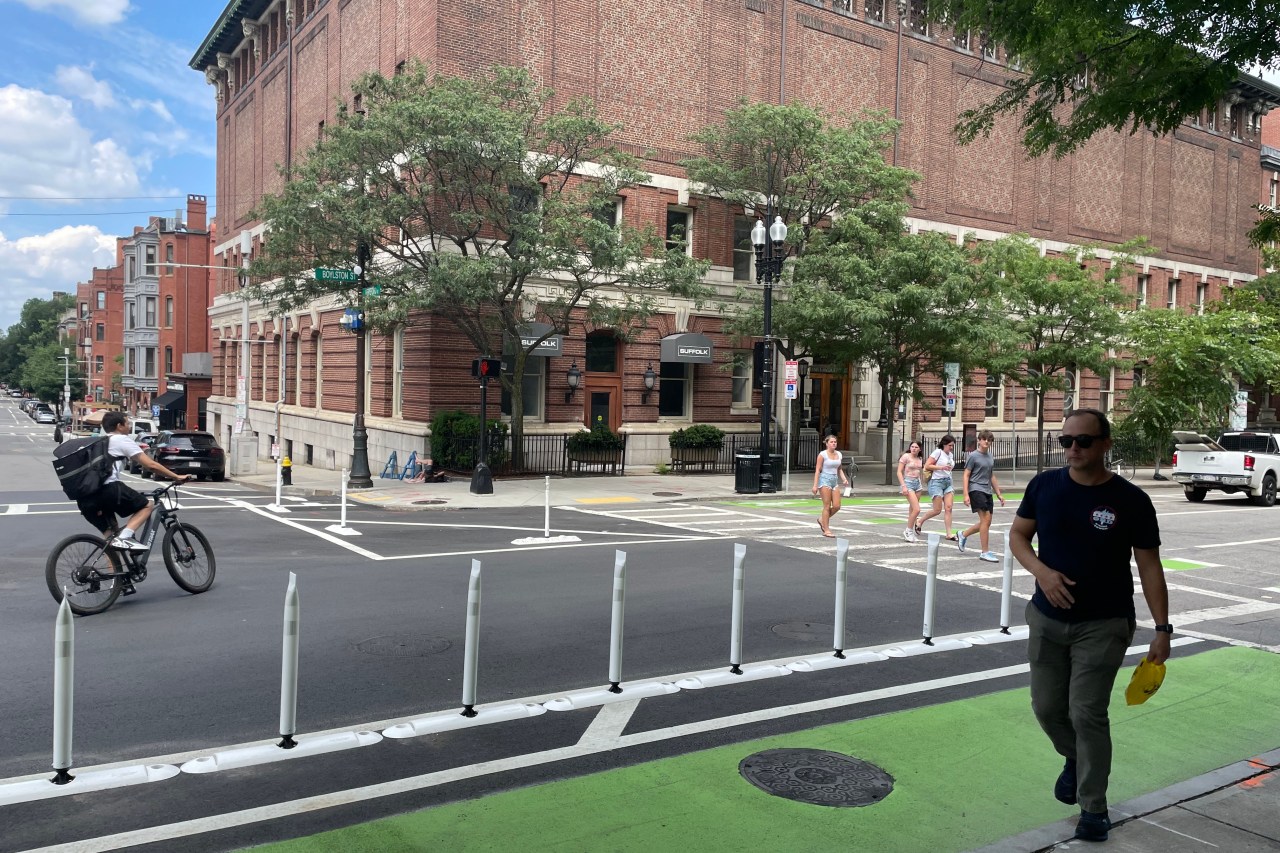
(482, 480)
(594, 698)
(62, 777)
(267, 753)
(278, 509)
(343, 531)
(1004, 635)
(468, 710)
(716, 679)
(446, 721)
(89, 780)
(831, 662)
(944, 644)
(287, 742)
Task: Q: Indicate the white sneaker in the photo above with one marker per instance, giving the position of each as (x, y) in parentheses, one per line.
(129, 544)
(909, 535)
(988, 557)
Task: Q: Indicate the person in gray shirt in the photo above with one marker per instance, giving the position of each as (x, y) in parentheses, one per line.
(979, 485)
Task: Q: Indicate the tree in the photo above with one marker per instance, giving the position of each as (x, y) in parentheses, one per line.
(36, 328)
(1191, 366)
(483, 202)
(1063, 312)
(904, 303)
(1088, 65)
(42, 373)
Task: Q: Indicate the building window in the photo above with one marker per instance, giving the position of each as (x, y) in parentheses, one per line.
(1144, 283)
(961, 39)
(168, 312)
(988, 47)
(1172, 301)
(102, 300)
(679, 229)
(532, 386)
(168, 257)
(149, 265)
(673, 390)
(1275, 191)
(133, 362)
(741, 379)
(1211, 118)
(130, 316)
(99, 364)
(1201, 290)
(1106, 390)
(1236, 114)
(319, 339)
(149, 355)
(874, 10)
(845, 6)
(602, 353)
(150, 308)
(168, 360)
(608, 212)
(1139, 376)
(1069, 403)
(743, 252)
(1033, 403)
(917, 22)
(99, 332)
(993, 397)
(84, 310)
(397, 388)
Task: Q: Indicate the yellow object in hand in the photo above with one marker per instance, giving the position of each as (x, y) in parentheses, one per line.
(1146, 680)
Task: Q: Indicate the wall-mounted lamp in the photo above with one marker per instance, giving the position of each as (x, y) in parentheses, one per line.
(574, 378)
(649, 379)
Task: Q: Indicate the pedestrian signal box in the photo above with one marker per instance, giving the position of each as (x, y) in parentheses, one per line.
(483, 368)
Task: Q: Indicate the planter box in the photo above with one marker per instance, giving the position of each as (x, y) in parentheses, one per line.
(611, 459)
(694, 455)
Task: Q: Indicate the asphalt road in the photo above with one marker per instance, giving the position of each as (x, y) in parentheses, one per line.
(164, 677)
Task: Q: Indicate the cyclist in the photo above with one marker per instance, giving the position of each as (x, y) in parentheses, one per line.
(115, 498)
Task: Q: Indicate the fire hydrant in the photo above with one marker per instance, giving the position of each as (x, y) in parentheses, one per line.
(286, 471)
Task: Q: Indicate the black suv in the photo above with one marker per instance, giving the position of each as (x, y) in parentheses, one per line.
(189, 452)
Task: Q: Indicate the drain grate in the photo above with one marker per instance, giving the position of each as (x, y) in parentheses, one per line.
(403, 645)
(817, 777)
(429, 501)
(667, 494)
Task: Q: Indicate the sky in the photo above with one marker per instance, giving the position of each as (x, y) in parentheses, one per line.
(102, 125)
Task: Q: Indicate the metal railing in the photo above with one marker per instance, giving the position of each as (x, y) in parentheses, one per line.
(543, 454)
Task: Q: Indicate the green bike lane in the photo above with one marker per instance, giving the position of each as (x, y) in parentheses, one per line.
(966, 773)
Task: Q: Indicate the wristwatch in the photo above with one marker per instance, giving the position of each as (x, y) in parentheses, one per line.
(1168, 629)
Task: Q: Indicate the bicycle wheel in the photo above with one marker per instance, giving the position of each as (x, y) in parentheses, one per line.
(189, 558)
(1124, 468)
(78, 563)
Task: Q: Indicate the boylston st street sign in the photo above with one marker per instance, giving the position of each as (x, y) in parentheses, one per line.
(323, 274)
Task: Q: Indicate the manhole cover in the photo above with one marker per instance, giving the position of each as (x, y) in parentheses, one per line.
(667, 494)
(807, 631)
(403, 645)
(816, 776)
(430, 501)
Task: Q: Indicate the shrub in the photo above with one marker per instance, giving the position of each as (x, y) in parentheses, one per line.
(455, 441)
(599, 437)
(697, 437)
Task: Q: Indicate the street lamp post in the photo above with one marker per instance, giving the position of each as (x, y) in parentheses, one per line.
(769, 257)
(360, 477)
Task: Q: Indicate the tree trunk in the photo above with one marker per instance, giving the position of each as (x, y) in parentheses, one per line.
(516, 389)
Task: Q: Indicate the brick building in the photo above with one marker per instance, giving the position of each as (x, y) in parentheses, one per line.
(278, 68)
(100, 306)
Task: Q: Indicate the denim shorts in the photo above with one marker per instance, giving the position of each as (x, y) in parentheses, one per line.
(912, 483)
(939, 486)
(828, 481)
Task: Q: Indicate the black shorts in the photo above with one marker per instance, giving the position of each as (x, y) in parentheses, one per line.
(981, 502)
(111, 500)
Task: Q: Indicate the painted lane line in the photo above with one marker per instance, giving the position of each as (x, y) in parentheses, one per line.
(336, 540)
(15, 509)
(396, 787)
(1213, 614)
(1209, 593)
(1237, 544)
(619, 543)
(609, 723)
(665, 537)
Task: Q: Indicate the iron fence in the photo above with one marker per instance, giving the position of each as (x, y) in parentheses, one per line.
(543, 455)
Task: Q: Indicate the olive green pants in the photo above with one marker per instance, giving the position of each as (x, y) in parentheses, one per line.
(1073, 670)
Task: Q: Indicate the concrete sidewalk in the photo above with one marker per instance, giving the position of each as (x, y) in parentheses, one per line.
(1235, 808)
(635, 487)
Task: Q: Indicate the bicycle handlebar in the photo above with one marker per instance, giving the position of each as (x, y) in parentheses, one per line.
(156, 493)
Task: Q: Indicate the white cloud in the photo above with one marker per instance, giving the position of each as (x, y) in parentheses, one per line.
(80, 83)
(38, 265)
(94, 12)
(45, 152)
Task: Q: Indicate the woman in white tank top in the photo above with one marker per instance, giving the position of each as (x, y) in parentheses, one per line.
(828, 474)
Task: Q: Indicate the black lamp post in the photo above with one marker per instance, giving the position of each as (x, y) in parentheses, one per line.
(770, 254)
(361, 477)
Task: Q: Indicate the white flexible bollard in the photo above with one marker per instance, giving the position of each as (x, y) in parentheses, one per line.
(279, 482)
(842, 575)
(64, 666)
(735, 633)
(615, 623)
(930, 581)
(341, 527)
(470, 654)
(1006, 586)
(546, 515)
(289, 667)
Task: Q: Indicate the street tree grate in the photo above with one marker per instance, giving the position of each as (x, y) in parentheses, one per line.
(403, 646)
(667, 494)
(429, 501)
(817, 777)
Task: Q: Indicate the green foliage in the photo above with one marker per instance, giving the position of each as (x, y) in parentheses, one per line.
(696, 437)
(455, 441)
(599, 437)
(29, 350)
(467, 191)
(662, 468)
(1089, 66)
(1191, 364)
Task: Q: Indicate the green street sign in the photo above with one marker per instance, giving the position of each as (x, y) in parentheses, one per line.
(375, 290)
(323, 274)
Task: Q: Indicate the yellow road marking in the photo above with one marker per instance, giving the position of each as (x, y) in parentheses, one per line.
(622, 499)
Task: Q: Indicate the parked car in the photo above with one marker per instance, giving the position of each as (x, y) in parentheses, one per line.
(189, 452)
(45, 416)
(146, 441)
(14, 392)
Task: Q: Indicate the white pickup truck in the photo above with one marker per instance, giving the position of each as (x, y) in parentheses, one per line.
(1246, 462)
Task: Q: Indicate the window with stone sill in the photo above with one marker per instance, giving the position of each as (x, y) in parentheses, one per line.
(917, 20)
(1201, 290)
(532, 387)
(742, 364)
(743, 250)
(673, 390)
(873, 10)
(842, 5)
(960, 38)
(679, 230)
(994, 396)
(1172, 300)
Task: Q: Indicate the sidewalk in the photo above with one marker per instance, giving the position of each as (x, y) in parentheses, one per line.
(1236, 807)
(636, 487)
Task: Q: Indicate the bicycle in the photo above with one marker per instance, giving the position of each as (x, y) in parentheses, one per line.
(94, 574)
(1119, 465)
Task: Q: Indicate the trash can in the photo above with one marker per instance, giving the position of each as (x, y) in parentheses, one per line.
(746, 471)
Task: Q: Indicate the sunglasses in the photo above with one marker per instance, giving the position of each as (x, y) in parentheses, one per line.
(1083, 441)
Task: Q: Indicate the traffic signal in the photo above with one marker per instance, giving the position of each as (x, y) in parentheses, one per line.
(484, 368)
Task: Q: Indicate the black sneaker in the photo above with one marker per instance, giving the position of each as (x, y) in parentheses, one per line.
(1093, 826)
(1064, 790)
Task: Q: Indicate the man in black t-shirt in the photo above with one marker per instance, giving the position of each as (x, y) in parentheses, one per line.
(1081, 618)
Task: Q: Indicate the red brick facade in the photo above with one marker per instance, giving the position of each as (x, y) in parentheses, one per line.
(663, 72)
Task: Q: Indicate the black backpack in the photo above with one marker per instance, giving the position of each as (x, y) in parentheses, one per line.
(83, 465)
